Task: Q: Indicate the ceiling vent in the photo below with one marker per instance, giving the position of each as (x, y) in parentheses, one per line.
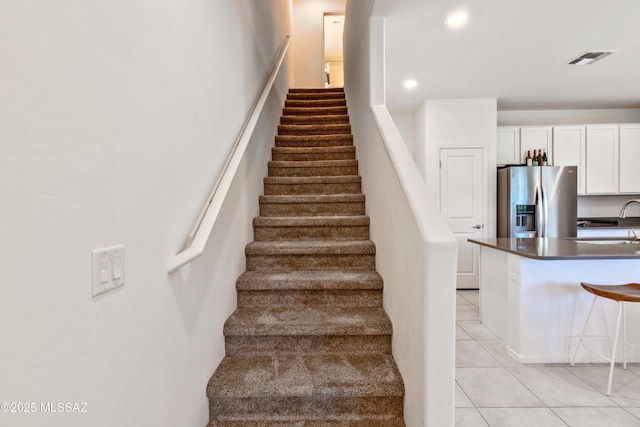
(590, 57)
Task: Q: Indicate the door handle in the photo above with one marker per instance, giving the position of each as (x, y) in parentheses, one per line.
(477, 226)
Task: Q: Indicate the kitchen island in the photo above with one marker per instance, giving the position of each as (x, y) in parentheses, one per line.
(531, 298)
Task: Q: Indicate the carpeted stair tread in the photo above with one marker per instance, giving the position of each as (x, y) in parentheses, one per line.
(311, 280)
(252, 345)
(311, 228)
(313, 111)
(315, 129)
(296, 154)
(316, 89)
(312, 198)
(306, 376)
(281, 321)
(306, 103)
(308, 408)
(294, 96)
(357, 422)
(312, 179)
(349, 184)
(310, 205)
(310, 344)
(311, 247)
(311, 163)
(326, 221)
(334, 140)
(313, 168)
(314, 119)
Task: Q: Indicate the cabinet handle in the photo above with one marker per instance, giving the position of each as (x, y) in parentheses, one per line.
(478, 226)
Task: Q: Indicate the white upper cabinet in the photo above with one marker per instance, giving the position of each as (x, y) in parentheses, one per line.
(508, 146)
(602, 159)
(629, 170)
(534, 138)
(569, 150)
(607, 155)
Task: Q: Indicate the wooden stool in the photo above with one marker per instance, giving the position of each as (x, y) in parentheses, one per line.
(620, 293)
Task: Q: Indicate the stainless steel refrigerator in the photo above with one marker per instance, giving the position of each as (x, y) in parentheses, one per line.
(538, 201)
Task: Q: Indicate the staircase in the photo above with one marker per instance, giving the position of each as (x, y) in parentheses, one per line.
(310, 344)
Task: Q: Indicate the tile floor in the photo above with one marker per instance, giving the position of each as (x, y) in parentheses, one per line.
(494, 390)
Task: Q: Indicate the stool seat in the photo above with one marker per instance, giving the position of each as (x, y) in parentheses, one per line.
(629, 292)
(621, 294)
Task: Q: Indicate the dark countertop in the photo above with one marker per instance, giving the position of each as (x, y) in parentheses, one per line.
(562, 249)
(608, 222)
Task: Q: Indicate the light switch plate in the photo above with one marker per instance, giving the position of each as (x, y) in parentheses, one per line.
(107, 269)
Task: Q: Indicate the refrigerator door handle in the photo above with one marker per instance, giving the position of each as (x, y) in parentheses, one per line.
(545, 212)
(539, 212)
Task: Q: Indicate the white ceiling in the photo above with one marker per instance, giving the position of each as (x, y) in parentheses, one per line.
(513, 50)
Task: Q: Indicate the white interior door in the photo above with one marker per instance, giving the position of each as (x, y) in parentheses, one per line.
(461, 203)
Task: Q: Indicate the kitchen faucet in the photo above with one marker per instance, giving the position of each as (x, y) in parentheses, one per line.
(623, 212)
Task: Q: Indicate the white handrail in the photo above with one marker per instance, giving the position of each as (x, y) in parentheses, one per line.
(199, 235)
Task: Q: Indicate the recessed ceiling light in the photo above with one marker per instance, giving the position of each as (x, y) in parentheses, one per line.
(410, 84)
(457, 19)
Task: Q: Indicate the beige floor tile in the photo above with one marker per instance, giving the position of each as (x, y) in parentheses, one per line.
(635, 411)
(473, 297)
(460, 301)
(462, 401)
(467, 312)
(521, 417)
(462, 335)
(597, 417)
(469, 417)
(498, 350)
(470, 354)
(477, 330)
(557, 386)
(495, 388)
(625, 389)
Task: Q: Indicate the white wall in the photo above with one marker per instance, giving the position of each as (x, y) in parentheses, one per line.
(461, 123)
(308, 40)
(606, 206)
(115, 118)
(567, 117)
(405, 124)
(416, 252)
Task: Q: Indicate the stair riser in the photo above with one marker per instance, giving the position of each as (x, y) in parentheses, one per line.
(302, 111)
(311, 262)
(311, 209)
(315, 103)
(347, 141)
(312, 233)
(313, 171)
(238, 345)
(307, 298)
(314, 130)
(315, 90)
(315, 120)
(285, 189)
(375, 422)
(319, 407)
(315, 96)
(311, 156)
